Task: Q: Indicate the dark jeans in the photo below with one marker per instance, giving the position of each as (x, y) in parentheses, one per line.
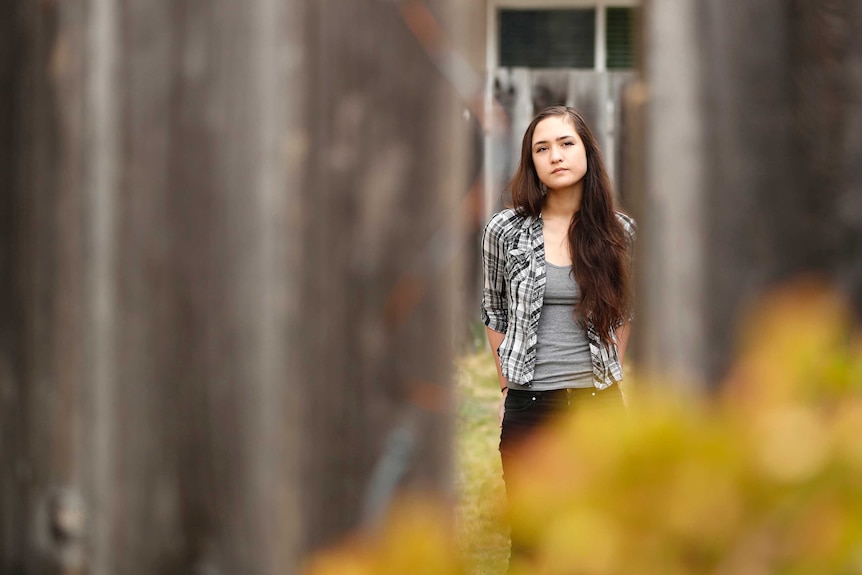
(527, 410)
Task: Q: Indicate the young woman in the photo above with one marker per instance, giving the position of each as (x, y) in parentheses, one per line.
(557, 280)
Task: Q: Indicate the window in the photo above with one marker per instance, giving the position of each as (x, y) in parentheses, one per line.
(547, 38)
(620, 39)
(566, 38)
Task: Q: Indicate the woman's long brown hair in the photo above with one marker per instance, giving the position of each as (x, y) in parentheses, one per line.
(597, 240)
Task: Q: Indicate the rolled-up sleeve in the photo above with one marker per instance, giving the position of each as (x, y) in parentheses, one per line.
(495, 307)
(630, 227)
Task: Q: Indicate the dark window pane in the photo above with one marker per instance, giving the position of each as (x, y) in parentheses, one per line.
(620, 38)
(547, 38)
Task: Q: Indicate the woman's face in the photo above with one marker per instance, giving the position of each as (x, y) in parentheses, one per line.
(558, 153)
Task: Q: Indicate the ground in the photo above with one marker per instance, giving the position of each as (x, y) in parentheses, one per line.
(482, 537)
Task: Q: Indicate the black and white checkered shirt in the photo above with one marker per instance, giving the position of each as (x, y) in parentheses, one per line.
(513, 262)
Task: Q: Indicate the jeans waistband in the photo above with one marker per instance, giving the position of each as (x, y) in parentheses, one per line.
(567, 393)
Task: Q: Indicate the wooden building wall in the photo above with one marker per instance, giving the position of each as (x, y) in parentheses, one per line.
(225, 279)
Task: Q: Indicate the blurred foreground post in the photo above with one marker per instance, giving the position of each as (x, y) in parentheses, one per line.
(753, 134)
(378, 213)
(224, 289)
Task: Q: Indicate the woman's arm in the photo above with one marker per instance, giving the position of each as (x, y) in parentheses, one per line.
(622, 334)
(495, 338)
(495, 306)
(623, 331)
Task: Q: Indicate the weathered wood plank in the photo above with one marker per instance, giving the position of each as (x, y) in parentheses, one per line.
(752, 172)
(226, 278)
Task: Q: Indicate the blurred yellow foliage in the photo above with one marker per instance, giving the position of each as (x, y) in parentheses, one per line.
(764, 478)
(416, 538)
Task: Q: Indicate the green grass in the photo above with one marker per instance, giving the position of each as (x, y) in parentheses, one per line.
(482, 536)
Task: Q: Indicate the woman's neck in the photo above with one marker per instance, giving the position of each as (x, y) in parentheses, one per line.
(562, 203)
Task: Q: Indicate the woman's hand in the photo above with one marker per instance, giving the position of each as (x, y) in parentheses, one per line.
(503, 405)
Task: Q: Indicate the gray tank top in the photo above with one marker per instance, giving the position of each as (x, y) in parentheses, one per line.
(562, 351)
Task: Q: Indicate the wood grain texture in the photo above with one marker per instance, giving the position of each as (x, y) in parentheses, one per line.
(226, 276)
(749, 184)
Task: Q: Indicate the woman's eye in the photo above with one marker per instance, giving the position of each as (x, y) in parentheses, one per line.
(570, 143)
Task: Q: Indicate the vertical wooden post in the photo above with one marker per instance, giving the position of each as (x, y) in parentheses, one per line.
(753, 125)
(384, 174)
(41, 283)
(670, 252)
(225, 279)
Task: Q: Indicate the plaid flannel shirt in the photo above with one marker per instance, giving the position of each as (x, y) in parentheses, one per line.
(513, 262)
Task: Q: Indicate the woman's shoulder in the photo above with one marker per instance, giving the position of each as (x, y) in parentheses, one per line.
(504, 222)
